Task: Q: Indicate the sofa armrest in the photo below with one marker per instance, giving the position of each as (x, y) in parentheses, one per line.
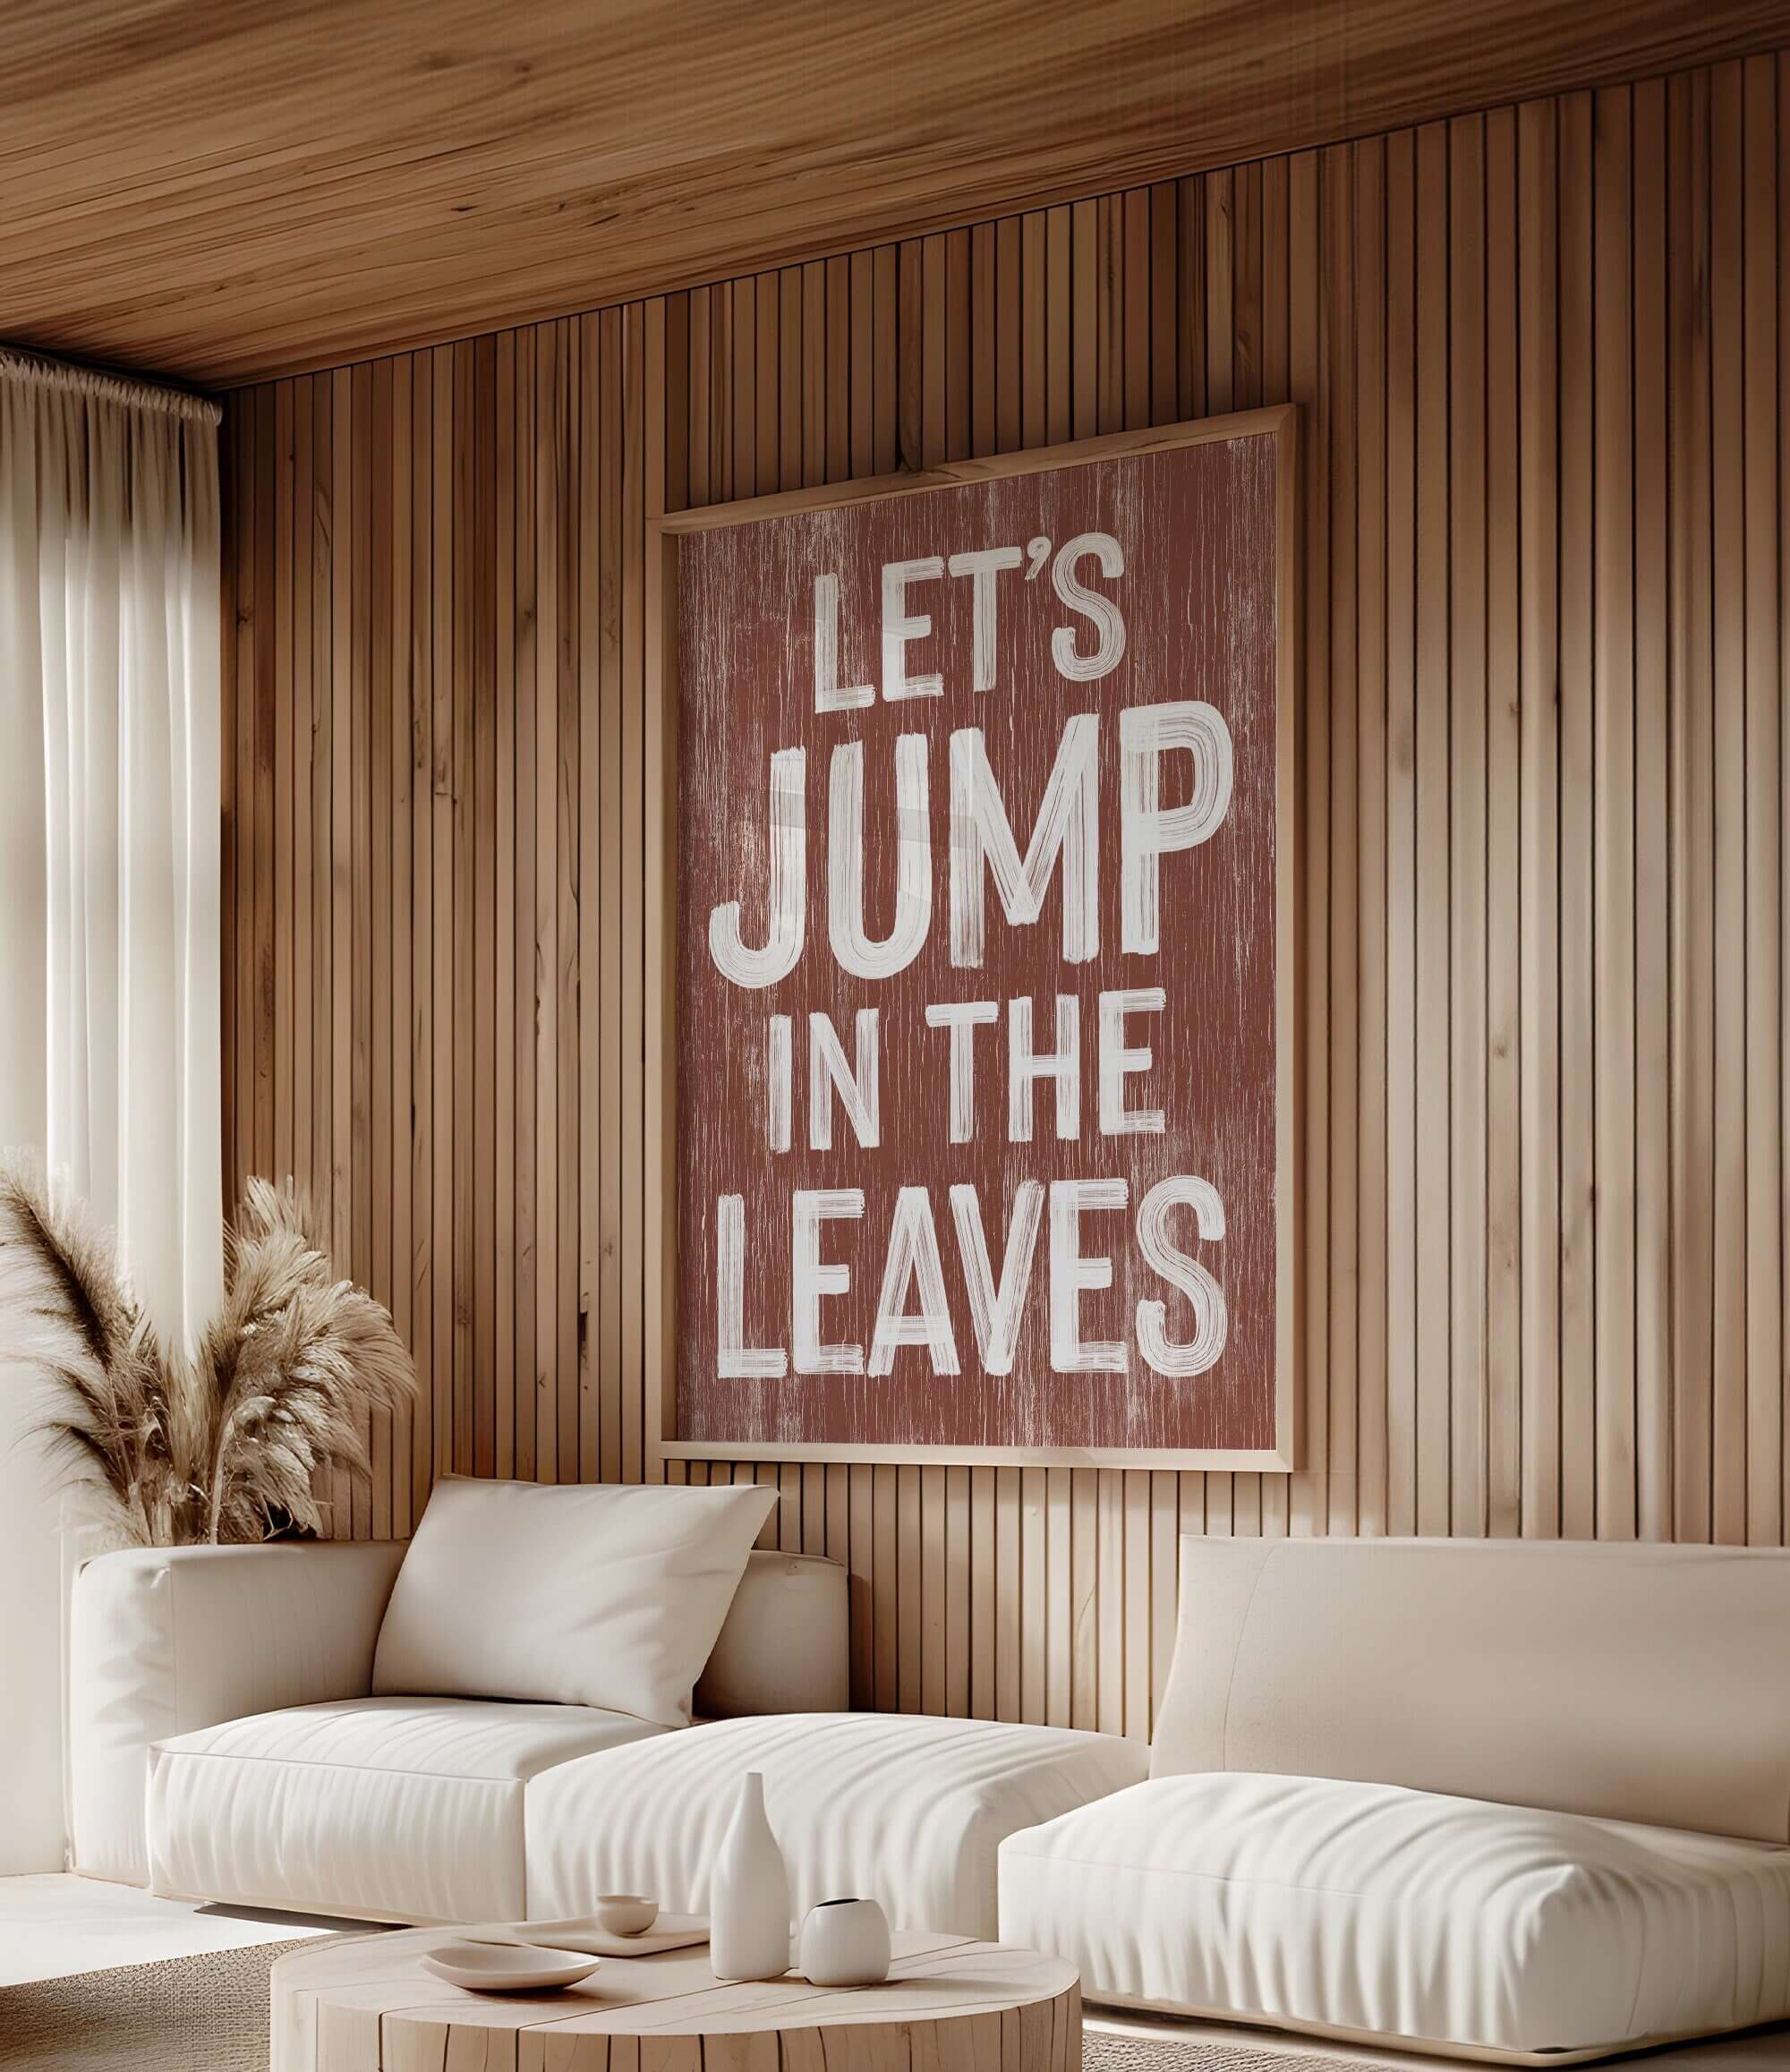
(163, 1640)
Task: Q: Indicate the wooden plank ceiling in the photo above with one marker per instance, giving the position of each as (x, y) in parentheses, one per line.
(222, 189)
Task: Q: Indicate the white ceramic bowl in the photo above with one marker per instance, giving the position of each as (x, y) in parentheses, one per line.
(495, 1968)
(626, 1912)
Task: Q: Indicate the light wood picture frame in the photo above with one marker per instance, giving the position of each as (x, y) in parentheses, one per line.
(1279, 1442)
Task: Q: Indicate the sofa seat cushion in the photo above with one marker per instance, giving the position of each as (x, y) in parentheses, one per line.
(901, 1808)
(406, 1809)
(1359, 1910)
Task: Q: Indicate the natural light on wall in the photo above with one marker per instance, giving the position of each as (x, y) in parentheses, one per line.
(109, 817)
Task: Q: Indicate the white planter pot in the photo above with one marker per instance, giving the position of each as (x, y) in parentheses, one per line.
(749, 1894)
(844, 1943)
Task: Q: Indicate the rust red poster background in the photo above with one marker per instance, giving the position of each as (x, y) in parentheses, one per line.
(977, 964)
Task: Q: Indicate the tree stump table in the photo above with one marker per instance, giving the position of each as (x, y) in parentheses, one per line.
(950, 2005)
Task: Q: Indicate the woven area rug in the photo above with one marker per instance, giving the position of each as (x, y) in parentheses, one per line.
(190, 2013)
(1101, 2051)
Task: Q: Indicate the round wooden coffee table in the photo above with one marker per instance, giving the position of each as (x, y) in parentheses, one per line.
(951, 2004)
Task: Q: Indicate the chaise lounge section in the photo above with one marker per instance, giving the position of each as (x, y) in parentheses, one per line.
(1519, 1801)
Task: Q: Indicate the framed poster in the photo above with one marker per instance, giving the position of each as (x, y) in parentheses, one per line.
(970, 1062)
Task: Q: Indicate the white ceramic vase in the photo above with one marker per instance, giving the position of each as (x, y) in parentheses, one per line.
(844, 1943)
(749, 1894)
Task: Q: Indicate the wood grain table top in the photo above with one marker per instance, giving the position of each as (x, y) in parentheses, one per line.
(369, 2005)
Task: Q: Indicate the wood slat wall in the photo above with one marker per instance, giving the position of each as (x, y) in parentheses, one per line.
(1544, 357)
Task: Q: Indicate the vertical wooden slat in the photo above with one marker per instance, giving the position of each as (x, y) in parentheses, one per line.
(1084, 306)
(321, 525)
(525, 1367)
(441, 903)
(341, 854)
(1008, 362)
(984, 351)
(1084, 1630)
(1341, 1300)
(1306, 362)
(599, 1382)
(266, 758)
(604, 532)
(281, 760)
(1059, 325)
(1109, 311)
(644, 497)
(1539, 783)
(462, 706)
(1370, 522)
(302, 1145)
(483, 771)
(544, 996)
(398, 835)
(1652, 1050)
(1009, 1599)
(634, 1206)
(1402, 1182)
(1782, 216)
(957, 369)
(1504, 844)
(498, 978)
(565, 975)
(361, 888)
(1692, 866)
(377, 1150)
(1613, 813)
(1165, 285)
(1136, 309)
(421, 919)
(815, 392)
(839, 349)
(1275, 269)
(885, 410)
(1434, 1308)
(1728, 612)
(930, 1670)
(1764, 727)
(1032, 316)
(1578, 1346)
(233, 475)
(1464, 373)
(906, 1569)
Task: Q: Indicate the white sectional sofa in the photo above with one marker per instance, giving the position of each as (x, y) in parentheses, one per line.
(227, 1744)
(1524, 1803)
(1520, 1802)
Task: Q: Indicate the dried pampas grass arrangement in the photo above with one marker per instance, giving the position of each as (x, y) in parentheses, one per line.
(228, 1444)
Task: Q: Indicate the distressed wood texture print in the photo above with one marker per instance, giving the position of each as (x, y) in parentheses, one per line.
(981, 1041)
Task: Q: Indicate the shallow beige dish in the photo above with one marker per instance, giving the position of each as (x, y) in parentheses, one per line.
(493, 1968)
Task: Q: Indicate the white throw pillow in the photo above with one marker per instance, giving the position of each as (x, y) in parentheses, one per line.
(580, 1593)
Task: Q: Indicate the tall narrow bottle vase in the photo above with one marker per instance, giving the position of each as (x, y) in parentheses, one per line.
(749, 1894)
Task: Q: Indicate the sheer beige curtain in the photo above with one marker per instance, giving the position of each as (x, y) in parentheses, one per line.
(110, 647)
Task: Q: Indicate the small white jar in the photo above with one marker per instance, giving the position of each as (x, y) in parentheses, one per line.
(844, 1943)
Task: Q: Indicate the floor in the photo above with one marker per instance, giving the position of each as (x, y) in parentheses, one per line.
(1765, 2051)
(56, 1926)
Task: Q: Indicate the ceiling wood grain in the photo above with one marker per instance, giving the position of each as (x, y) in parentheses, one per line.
(223, 189)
